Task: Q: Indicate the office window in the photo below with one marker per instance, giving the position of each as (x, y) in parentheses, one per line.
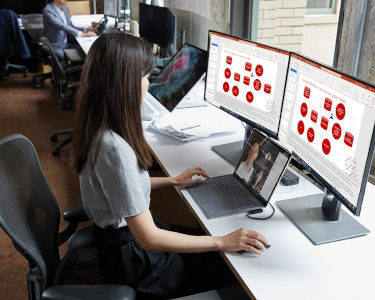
(320, 6)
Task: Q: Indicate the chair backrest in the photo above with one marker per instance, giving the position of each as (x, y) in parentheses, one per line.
(29, 213)
(58, 72)
(33, 24)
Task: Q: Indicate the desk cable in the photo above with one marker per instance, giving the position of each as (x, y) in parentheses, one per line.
(273, 211)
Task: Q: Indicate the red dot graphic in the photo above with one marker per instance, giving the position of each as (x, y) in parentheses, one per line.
(304, 109)
(249, 97)
(227, 73)
(259, 70)
(326, 146)
(235, 91)
(257, 84)
(336, 131)
(226, 87)
(301, 127)
(340, 111)
(310, 135)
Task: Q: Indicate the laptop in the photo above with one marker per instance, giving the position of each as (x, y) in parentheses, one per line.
(250, 187)
(185, 69)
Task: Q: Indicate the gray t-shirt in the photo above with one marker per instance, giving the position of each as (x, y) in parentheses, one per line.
(116, 188)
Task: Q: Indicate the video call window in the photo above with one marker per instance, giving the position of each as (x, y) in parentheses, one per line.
(261, 165)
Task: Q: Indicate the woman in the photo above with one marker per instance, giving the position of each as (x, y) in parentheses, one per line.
(111, 156)
(255, 181)
(246, 167)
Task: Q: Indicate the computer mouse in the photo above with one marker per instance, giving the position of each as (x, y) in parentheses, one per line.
(147, 117)
(244, 251)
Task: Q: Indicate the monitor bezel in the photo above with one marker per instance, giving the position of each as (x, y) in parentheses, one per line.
(117, 9)
(357, 209)
(169, 63)
(241, 118)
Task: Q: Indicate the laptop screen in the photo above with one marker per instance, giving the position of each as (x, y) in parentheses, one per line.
(181, 73)
(261, 165)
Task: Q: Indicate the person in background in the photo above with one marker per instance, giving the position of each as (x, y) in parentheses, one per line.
(111, 156)
(264, 163)
(246, 167)
(59, 29)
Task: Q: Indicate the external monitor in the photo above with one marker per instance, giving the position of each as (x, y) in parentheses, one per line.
(177, 78)
(328, 122)
(158, 26)
(247, 80)
(111, 8)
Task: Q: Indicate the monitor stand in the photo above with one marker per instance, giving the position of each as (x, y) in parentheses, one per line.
(321, 221)
(232, 151)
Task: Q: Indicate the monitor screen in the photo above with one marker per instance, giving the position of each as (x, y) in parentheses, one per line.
(328, 122)
(110, 8)
(180, 74)
(247, 80)
(261, 165)
(158, 26)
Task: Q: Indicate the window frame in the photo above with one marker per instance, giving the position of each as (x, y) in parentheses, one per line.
(318, 11)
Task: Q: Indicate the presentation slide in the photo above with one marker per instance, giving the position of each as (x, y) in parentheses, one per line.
(329, 121)
(248, 79)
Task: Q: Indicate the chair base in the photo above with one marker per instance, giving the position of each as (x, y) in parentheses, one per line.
(65, 142)
(7, 66)
(38, 79)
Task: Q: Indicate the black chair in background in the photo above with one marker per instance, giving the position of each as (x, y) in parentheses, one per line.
(30, 216)
(66, 83)
(12, 43)
(33, 24)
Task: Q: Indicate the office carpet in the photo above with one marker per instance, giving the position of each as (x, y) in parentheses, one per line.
(36, 114)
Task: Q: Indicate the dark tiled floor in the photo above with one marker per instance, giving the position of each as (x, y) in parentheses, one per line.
(36, 114)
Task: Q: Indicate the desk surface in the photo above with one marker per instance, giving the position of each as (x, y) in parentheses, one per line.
(293, 268)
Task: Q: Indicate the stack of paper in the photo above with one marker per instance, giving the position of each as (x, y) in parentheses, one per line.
(186, 129)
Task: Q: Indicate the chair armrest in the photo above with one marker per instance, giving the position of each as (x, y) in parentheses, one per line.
(73, 70)
(75, 214)
(74, 85)
(89, 292)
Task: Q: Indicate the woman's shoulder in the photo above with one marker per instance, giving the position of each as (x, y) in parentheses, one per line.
(113, 142)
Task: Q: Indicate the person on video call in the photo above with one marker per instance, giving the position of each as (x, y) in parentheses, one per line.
(256, 180)
(59, 29)
(262, 163)
(246, 167)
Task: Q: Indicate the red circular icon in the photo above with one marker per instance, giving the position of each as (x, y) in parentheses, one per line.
(226, 87)
(301, 127)
(310, 135)
(257, 84)
(227, 73)
(326, 146)
(340, 111)
(249, 97)
(336, 131)
(304, 109)
(235, 91)
(259, 70)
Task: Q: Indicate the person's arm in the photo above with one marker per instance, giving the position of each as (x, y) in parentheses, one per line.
(183, 179)
(55, 21)
(151, 238)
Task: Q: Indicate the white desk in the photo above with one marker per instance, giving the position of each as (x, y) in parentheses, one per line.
(293, 268)
(86, 42)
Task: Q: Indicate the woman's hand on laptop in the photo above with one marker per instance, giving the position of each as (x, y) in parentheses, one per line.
(185, 178)
(242, 239)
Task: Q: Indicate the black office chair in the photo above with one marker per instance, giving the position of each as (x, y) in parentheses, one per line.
(33, 24)
(66, 83)
(12, 43)
(30, 216)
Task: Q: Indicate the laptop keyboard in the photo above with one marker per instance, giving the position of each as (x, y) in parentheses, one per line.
(233, 193)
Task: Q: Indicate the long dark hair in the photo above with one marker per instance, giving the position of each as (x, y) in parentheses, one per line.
(110, 95)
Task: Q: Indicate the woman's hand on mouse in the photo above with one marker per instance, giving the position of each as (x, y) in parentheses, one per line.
(242, 239)
(185, 178)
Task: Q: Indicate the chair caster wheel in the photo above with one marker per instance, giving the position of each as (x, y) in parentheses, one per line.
(53, 138)
(56, 153)
(25, 74)
(37, 86)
